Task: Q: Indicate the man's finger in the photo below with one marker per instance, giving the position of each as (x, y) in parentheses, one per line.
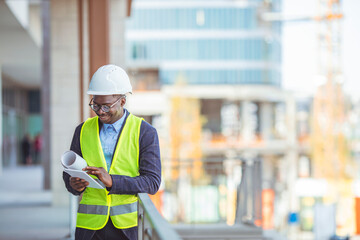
(81, 184)
(75, 179)
(90, 168)
(93, 172)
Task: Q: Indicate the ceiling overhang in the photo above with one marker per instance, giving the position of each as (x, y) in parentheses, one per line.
(20, 56)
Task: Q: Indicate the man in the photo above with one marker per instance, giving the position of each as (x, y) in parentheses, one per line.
(120, 149)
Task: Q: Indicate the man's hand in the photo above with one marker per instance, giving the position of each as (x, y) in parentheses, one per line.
(78, 184)
(101, 173)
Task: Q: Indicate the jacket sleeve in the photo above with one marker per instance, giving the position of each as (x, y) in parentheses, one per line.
(149, 166)
(75, 146)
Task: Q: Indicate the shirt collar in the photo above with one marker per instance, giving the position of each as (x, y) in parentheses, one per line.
(117, 125)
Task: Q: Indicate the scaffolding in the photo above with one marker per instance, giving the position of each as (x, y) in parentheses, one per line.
(330, 148)
(330, 151)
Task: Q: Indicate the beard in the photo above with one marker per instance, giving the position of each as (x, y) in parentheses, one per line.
(109, 117)
(105, 117)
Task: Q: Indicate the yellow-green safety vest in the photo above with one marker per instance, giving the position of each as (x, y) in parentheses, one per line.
(96, 205)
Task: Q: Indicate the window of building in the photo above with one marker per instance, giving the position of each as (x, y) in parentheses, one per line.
(34, 102)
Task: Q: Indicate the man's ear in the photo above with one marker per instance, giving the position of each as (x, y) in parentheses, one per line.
(123, 101)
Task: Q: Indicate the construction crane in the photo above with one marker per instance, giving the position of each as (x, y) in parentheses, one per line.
(330, 148)
(330, 151)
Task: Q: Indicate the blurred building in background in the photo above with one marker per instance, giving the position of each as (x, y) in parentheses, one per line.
(211, 73)
(236, 148)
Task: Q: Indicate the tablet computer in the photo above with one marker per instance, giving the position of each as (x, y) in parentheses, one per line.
(94, 183)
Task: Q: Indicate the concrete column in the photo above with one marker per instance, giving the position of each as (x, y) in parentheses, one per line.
(84, 57)
(45, 92)
(247, 122)
(12, 141)
(65, 101)
(1, 120)
(268, 173)
(266, 118)
(291, 120)
(291, 159)
(292, 153)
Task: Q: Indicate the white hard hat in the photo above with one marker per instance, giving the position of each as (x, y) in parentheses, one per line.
(108, 80)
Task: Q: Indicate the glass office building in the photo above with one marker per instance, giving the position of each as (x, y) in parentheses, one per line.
(206, 42)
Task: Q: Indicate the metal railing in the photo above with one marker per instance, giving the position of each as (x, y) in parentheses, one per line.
(152, 226)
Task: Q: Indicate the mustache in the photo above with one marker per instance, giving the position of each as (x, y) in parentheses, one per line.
(102, 115)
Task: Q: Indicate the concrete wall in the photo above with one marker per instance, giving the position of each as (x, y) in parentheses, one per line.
(65, 109)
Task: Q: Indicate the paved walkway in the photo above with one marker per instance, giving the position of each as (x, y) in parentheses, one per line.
(25, 209)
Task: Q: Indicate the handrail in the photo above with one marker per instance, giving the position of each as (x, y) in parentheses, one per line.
(152, 226)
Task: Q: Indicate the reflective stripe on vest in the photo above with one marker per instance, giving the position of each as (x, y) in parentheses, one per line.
(103, 210)
(122, 209)
(97, 205)
(93, 209)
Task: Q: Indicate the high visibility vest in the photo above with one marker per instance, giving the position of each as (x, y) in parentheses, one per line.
(96, 205)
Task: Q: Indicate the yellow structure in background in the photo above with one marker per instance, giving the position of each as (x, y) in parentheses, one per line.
(185, 133)
(330, 148)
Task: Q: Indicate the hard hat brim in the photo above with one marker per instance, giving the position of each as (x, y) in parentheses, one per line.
(105, 93)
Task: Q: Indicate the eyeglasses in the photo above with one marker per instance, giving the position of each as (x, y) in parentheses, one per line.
(104, 108)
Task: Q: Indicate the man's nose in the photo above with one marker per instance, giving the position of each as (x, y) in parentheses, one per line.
(100, 111)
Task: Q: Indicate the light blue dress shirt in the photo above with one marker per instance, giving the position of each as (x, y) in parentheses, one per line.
(108, 136)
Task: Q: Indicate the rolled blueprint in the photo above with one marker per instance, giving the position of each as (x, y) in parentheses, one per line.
(71, 160)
